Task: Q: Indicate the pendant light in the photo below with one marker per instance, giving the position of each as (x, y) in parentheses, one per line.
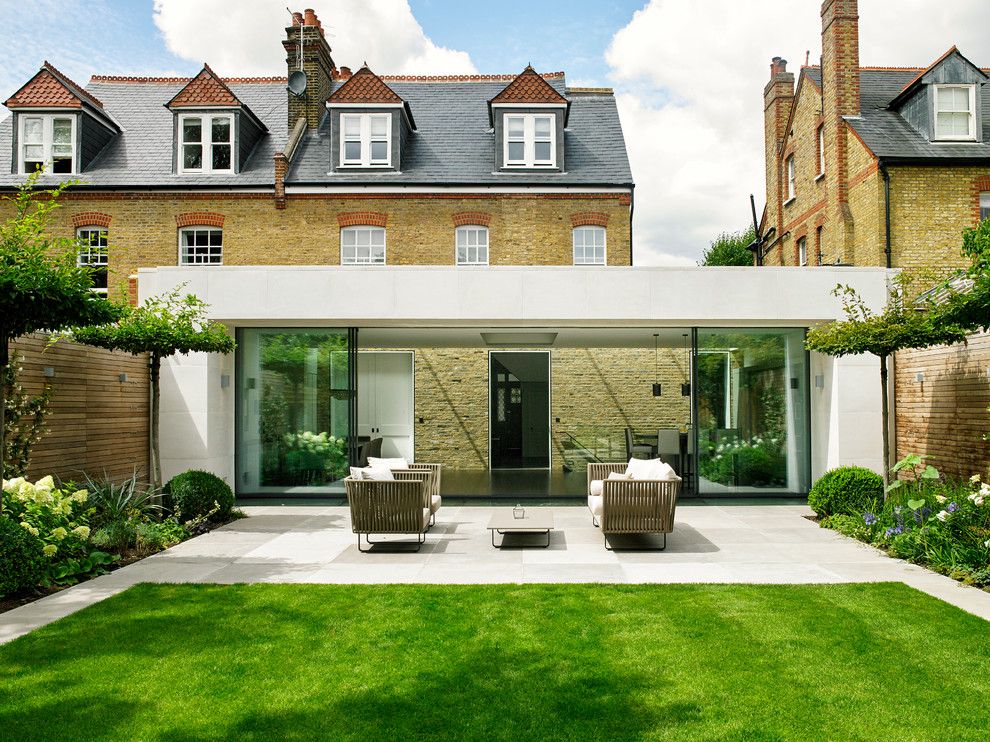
(657, 389)
(686, 386)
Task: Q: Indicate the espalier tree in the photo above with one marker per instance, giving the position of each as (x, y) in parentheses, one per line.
(161, 327)
(41, 286)
(907, 321)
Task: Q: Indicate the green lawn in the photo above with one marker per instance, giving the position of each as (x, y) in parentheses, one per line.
(578, 662)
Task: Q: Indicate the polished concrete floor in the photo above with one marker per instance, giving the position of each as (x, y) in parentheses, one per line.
(724, 542)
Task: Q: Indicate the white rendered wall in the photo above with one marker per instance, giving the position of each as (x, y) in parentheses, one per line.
(198, 415)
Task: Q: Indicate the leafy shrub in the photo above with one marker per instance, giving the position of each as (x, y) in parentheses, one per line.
(22, 564)
(848, 490)
(848, 525)
(154, 536)
(117, 535)
(759, 462)
(115, 501)
(194, 494)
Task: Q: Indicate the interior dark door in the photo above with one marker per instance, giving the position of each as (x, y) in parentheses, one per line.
(520, 407)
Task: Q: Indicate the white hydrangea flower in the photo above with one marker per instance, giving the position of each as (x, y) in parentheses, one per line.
(942, 515)
(49, 550)
(82, 532)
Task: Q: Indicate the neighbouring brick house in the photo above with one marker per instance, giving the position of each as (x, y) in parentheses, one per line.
(885, 166)
(442, 263)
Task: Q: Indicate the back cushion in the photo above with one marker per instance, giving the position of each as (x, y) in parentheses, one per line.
(388, 463)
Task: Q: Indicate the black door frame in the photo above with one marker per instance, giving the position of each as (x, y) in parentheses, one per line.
(547, 353)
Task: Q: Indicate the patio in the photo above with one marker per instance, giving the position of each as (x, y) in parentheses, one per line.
(711, 543)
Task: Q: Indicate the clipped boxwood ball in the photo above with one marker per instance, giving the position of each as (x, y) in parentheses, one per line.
(22, 564)
(848, 490)
(193, 493)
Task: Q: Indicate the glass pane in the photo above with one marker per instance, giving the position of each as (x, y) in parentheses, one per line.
(542, 126)
(352, 151)
(516, 151)
(192, 156)
(379, 151)
(363, 237)
(348, 237)
(515, 126)
(752, 401)
(379, 126)
(192, 130)
(352, 126)
(34, 152)
(292, 401)
(62, 131)
(377, 236)
(61, 165)
(33, 131)
(462, 254)
(221, 130)
(221, 157)
(542, 151)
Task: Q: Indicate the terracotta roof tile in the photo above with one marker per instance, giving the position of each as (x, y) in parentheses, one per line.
(529, 87)
(364, 86)
(206, 89)
(49, 88)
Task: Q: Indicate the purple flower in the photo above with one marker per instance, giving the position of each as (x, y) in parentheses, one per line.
(869, 519)
(895, 530)
(952, 507)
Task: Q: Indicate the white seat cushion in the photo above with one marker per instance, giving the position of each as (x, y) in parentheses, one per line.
(434, 503)
(388, 463)
(596, 488)
(596, 505)
(651, 469)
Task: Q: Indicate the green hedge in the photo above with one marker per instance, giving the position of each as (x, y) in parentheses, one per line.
(22, 564)
(195, 493)
(848, 490)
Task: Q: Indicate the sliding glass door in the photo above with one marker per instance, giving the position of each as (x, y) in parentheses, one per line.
(752, 411)
(294, 409)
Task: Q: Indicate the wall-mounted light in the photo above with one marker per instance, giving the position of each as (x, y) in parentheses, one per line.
(121, 378)
(686, 389)
(657, 389)
(224, 381)
(820, 381)
(48, 372)
(920, 377)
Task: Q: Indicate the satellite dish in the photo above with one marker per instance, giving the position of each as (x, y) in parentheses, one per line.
(297, 83)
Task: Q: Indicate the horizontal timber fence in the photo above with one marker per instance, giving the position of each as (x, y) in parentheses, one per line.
(98, 423)
(942, 396)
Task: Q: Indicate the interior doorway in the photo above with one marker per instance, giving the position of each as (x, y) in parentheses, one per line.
(519, 409)
(385, 401)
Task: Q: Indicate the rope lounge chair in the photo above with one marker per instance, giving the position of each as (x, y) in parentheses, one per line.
(399, 506)
(632, 505)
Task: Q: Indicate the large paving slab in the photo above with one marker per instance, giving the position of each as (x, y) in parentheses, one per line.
(744, 543)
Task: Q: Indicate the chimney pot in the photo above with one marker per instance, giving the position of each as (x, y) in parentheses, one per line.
(345, 73)
(310, 17)
(297, 19)
(778, 66)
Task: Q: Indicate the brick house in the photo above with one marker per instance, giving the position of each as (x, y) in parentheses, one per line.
(443, 264)
(885, 166)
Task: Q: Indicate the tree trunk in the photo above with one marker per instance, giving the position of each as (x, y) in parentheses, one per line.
(155, 366)
(4, 360)
(885, 415)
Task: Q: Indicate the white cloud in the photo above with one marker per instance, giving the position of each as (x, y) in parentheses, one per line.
(244, 38)
(689, 81)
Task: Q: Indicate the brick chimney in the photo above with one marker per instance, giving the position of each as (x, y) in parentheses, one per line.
(778, 97)
(840, 97)
(316, 63)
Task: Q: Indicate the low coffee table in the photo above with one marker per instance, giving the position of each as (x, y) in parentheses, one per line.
(536, 520)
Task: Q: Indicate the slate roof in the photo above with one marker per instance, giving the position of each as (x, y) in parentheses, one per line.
(453, 144)
(888, 134)
(364, 86)
(206, 89)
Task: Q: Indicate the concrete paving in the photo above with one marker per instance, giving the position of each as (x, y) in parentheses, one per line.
(773, 544)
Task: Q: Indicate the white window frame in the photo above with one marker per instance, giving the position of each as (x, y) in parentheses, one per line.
(583, 229)
(355, 229)
(207, 143)
(791, 178)
(366, 140)
(529, 140)
(821, 150)
(47, 136)
(802, 246)
(971, 136)
(199, 263)
(85, 248)
(984, 205)
(465, 230)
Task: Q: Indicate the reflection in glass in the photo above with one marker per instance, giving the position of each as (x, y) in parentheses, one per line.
(752, 399)
(292, 408)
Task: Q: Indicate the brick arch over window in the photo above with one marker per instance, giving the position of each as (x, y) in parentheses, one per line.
(480, 218)
(199, 219)
(362, 219)
(91, 219)
(589, 219)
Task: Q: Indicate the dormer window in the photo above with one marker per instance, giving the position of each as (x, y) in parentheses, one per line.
(366, 139)
(206, 143)
(47, 141)
(529, 140)
(955, 107)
